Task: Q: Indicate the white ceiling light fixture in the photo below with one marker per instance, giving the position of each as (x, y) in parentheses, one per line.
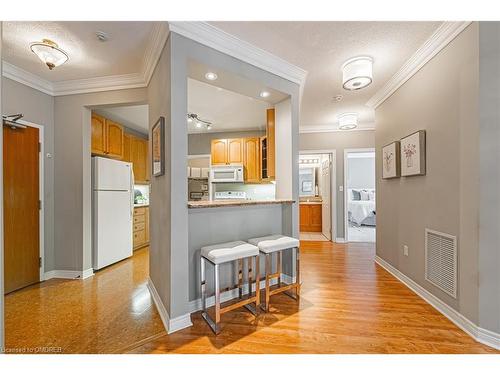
(357, 73)
(264, 94)
(348, 121)
(49, 53)
(211, 76)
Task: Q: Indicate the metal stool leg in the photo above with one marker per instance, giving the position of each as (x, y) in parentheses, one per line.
(250, 307)
(257, 282)
(217, 299)
(239, 263)
(268, 272)
(297, 277)
(203, 286)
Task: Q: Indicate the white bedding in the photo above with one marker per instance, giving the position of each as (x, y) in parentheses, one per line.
(360, 210)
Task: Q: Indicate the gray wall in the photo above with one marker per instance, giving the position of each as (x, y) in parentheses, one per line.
(38, 108)
(72, 178)
(199, 144)
(169, 243)
(440, 98)
(489, 140)
(361, 173)
(338, 141)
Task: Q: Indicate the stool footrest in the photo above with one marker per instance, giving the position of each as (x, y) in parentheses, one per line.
(238, 304)
(282, 288)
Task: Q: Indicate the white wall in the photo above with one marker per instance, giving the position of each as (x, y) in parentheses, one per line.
(283, 143)
(361, 173)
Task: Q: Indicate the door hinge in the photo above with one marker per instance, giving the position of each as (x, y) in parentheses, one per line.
(40, 262)
(39, 146)
(39, 204)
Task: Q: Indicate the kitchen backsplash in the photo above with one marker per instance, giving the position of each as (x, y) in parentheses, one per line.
(141, 194)
(253, 191)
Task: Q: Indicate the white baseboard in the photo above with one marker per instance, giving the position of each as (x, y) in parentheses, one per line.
(171, 325)
(340, 240)
(64, 274)
(477, 333)
(87, 273)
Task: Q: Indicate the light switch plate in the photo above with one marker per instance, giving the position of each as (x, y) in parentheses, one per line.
(405, 250)
(341, 188)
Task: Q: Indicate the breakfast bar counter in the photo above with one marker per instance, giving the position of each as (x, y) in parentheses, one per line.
(235, 202)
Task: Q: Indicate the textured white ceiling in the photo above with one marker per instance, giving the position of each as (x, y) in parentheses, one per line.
(123, 53)
(322, 47)
(227, 110)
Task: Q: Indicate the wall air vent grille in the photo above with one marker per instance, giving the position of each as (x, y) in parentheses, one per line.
(441, 261)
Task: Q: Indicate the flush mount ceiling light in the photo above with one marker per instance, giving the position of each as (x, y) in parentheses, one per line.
(198, 122)
(348, 121)
(49, 52)
(357, 73)
(211, 76)
(264, 94)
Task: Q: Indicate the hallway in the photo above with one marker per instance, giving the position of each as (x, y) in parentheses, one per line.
(348, 305)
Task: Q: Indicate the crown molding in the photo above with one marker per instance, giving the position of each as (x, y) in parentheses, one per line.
(152, 54)
(432, 46)
(211, 36)
(333, 128)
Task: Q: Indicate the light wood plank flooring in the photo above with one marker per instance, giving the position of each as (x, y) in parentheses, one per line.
(348, 305)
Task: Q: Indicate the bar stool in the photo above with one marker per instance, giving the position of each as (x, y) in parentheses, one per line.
(277, 244)
(236, 251)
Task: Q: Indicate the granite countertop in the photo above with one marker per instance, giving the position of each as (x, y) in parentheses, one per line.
(311, 202)
(235, 202)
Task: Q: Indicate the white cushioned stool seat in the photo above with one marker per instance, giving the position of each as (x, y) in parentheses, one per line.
(277, 242)
(229, 251)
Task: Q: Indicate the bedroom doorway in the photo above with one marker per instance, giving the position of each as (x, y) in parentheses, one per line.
(359, 182)
(316, 179)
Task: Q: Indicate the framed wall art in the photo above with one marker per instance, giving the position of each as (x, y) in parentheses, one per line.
(413, 154)
(158, 150)
(391, 160)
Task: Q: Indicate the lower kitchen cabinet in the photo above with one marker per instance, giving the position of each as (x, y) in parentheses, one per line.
(141, 227)
(310, 217)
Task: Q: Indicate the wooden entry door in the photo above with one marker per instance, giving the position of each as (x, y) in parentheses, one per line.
(21, 207)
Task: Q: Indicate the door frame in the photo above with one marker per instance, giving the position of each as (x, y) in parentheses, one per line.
(41, 211)
(333, 188)
(346, 211)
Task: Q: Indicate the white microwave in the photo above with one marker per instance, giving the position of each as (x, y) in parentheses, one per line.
(227, 173)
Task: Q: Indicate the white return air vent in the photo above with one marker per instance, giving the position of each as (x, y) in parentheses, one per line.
(441, 261)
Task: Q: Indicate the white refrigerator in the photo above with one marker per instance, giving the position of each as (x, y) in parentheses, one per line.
(113, 209)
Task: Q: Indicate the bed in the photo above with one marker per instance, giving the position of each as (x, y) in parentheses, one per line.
(361, 211)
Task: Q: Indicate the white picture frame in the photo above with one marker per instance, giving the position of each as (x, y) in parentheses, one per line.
(413, 154)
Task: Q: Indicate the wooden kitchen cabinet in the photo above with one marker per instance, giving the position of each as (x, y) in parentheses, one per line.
(139, 159)
(310, 217)
(107, 137)
(219, 151)
(141, 227)
(126, 148)
(227, 151)
(270, 144)
(251, 159)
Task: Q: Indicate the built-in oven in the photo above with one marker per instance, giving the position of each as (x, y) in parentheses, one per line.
(226, 173)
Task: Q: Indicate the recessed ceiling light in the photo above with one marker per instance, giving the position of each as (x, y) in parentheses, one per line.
(357, 73)
(211, 76)
(49, 53)
(348, 121)
(264, 94)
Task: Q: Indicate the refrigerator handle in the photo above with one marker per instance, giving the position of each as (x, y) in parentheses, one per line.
(132, 192)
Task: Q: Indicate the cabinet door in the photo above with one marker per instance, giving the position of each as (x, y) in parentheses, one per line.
(126, 148)
(270, 130)
(235, 150)
(146, 227)
(219, 151)
(251, 159)
(138, 154)
(316, 218)
(98, 135)
(305, 217)
(114, 139)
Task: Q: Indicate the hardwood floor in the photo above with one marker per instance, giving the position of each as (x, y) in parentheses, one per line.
(348, 305)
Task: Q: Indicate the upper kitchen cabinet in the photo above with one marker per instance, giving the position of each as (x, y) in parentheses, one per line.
(227, 151)
(270, 144)
(139, 159)
(251, 159)
(107, 137)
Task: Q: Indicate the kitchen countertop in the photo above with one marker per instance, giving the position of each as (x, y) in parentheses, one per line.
(136, 205)
(235, 202)
(311, 202)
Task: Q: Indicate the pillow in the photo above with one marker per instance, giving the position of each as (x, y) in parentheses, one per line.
(364, 195)
(356, 196)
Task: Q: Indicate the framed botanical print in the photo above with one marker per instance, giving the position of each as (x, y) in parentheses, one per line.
(413, 154)
(391, 160)
(158, 150)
